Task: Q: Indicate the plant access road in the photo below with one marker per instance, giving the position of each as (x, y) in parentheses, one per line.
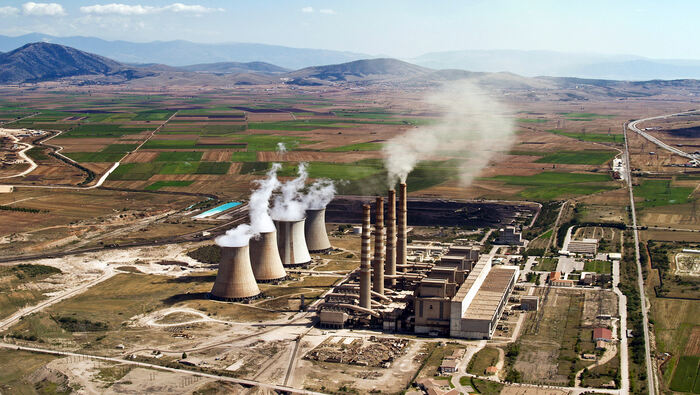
(633, 126)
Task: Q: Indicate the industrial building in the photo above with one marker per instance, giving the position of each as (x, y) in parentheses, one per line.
(583, 247)
(458, 293)
(509, 235)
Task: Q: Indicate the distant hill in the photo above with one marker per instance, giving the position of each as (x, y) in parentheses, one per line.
(42, 61)
(361, 70)
(235, 67)
(561, 64)
(183, 53)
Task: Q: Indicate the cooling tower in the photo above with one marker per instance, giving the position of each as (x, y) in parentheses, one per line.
(365, 299)
(235, 280)
(378, 263)
(401, 237)
(390, 264)
(315, 231)
(265, 256)
(291, 243)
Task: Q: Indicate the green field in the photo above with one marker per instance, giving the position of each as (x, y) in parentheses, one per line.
(357, 147)
(660, 193)
(552, 185)
(335, 171)
(194, 168)
(103, 130)
(594, 137)
(175, 156)
(244, 156)
(111, 153)
(603, 267)
(267, 142)
(584, 116)
(163, 184)
(587, 157)
(531, 120)
(186, 144)
(685, 378)
(135, 171)
(153, 115)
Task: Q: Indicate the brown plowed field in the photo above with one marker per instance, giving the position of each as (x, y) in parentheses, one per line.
(269, 117)
(216, 155)
(693, 345)
(141, 157)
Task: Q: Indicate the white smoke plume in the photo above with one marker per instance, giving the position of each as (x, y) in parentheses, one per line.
(236, 237)
(259, 204)
(289, 204)
(474, 126)
(281, 148)
(320, 193)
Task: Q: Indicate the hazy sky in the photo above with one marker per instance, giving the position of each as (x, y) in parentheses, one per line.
(401, 28)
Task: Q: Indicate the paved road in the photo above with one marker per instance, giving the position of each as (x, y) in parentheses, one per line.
(624, 351)
(23, 155)
(651, 372)
(633, 126)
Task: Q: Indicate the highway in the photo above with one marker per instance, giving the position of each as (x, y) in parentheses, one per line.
(651, 371)
(633, 126)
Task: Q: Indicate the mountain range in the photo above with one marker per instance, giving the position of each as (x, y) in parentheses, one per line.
(182, 53)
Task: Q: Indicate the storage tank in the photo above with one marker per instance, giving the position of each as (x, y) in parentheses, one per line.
(265, 258)
(235, 281)
(291, 243)
(315, 231)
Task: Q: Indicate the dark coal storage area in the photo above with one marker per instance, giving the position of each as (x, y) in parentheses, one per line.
(425, 212)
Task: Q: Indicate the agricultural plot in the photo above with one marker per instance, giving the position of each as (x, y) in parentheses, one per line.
(587, 157)
(661, 193)
(685, 378)
(164, 184)
(144, 171)
(593, 137)
(111, 153)
(103, 130)
(552, 185)
(176, 156)
(371, 146)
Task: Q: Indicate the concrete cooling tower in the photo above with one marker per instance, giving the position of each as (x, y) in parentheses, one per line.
(235, 281)
(315, 230)
(291, 243)
(265, 257)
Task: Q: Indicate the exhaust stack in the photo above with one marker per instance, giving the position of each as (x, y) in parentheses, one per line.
(390, 265)
(315, 231)
(265, 257)
(365, 300)
(235, 281)
(291, 243)
(378, 263)
(401, 237)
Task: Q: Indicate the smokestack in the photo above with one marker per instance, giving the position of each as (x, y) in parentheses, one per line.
(235, 280)
(291, 243)
(265, 256)
(378, 263)
(315, 231)
(401, 237)
(365, 300)
(390, 265)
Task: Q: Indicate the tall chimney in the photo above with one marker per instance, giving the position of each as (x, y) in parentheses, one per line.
(390, 265)
(265, 257)
(315, 231)
(378, 263)
(291, 243)
(235, 280)
(401, 237)
(365, 300)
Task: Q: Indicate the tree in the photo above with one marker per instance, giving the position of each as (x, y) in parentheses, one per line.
(184, 355)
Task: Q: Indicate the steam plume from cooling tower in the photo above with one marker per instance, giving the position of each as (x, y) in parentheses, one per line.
(281, 148)
(236, 237)
(289, 205)
(473, 123)
(259, 205)
(320, 193)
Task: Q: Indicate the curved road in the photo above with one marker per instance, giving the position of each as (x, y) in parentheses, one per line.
(633, 126)
(23, 155)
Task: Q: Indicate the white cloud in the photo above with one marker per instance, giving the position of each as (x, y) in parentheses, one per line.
(137, 9)
(43, 9)
(7, 11)
(327, 11)
(307, 9)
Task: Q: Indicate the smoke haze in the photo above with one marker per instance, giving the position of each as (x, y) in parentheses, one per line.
(236, 237)
(473, 127)
(320, 193)
(289, 204)
(259, 205)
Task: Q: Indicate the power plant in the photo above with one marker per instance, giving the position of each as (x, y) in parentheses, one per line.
(235, 281)
(291, 242)
(315, 231)
(460, 294)
(265, 258)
